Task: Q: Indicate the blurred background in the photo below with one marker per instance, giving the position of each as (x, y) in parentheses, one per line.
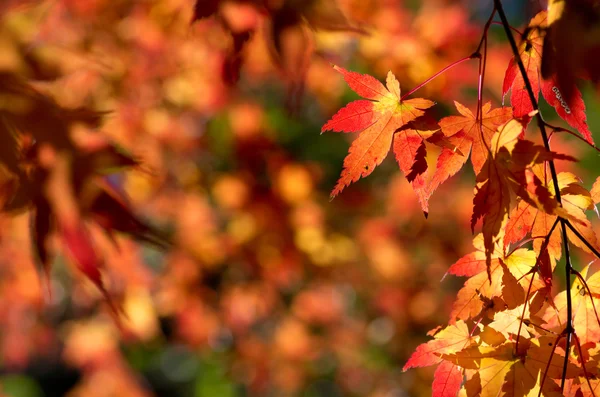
(269, 288)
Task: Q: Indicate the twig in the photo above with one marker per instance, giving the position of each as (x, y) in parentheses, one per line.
(568, 131)
(453, 64)
(583, 240)
(533, 273)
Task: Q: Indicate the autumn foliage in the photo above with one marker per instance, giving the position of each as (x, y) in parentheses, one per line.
(174, 224)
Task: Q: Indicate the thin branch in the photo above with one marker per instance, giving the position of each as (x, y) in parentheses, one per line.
(486, 27)
(524, 309)
(482, 65)
(558, 338)
(583, 240)
(529, 88)
(517, 31)
(582, 360)
(568, 131)
(569, 329)
(533, 273)
(542, 127)
(453, 64)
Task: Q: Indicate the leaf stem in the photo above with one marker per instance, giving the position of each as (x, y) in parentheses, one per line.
(561, 129)
(453, 64)
(558, 338)
(517, 31)
(486, 27)
(482, 64)
(582, 360)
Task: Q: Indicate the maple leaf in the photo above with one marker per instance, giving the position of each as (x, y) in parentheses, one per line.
(545, 268)
(67, 189)
(525, 376)
(481, 287)
(590, 389)
(520, 223)
(505, 173)
(477, 142)
(502, 372)
(450, 160)
(570, 108)
(475, 262)
(526, 218)
(377, 119)
(509, 321)
(585, 318)
(447, 380)
(570, 32)
(595, 191)
(75, 235)
(451, 339)
(110, 210)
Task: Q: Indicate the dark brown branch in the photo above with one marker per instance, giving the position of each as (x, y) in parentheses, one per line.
(542, 127)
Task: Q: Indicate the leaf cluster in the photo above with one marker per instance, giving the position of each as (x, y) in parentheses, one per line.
(506, 328)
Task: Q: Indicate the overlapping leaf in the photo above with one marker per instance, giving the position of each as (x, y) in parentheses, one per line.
(475, 262)
(480, 289)
(570, 32)
(473, 138)
(499, 371)
(505, 173)
(526, 218)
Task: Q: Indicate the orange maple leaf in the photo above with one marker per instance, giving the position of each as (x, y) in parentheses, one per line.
(475, 262)
(595, 191)
(585, 310)
(481, 287)
(506, 172)
(509, 322)
(478, 142)
(527, 218)
(377, 118)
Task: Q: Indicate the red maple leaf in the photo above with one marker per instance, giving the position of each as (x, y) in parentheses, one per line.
(377, 118)
(571, 109)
